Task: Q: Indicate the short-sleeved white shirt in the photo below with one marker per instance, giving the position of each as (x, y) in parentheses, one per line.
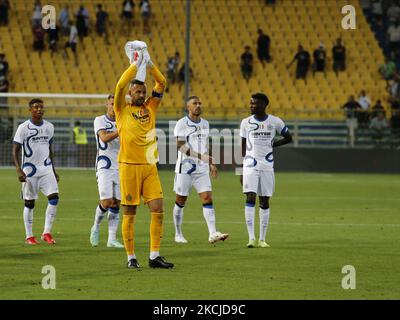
(107, 152)
(259, 135)
(196, 135)
(35, 141)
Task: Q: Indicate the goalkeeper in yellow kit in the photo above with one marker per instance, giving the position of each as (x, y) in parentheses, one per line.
(138, 155)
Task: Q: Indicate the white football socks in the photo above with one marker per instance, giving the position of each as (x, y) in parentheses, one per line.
(131, 256)
(264, 220)
(50, 215)
(249, 213)
(113, 221)
(98, 218)
(154, 254)
(209, 216)
(178, 218)
(28, 221)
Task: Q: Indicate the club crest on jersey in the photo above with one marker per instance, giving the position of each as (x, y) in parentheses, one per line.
(270, 127)
(143, 115)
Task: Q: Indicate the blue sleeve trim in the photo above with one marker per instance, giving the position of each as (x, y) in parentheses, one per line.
(157, 94)
(208, 206)
(284, 130)
(16, 142)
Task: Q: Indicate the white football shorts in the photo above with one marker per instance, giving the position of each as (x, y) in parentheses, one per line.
(108, 184)
(183, 183)
(45, 182)
(260, 182)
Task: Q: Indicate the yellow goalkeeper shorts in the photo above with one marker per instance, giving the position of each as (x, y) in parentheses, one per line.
(139, 180)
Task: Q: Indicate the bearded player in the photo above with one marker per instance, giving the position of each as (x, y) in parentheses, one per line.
(193, 168)
(138, 156)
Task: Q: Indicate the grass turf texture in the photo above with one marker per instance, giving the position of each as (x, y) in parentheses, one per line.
(318, 224)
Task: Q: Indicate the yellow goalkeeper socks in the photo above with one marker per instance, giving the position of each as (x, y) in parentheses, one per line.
(156, 233)
(128, 233)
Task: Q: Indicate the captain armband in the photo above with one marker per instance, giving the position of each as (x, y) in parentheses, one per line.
(157, 94)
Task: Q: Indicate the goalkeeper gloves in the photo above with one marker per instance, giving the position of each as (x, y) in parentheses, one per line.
(134, 49)
(146, 57)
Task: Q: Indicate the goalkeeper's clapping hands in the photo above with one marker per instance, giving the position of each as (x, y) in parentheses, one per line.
(147, 58)
(137, 57)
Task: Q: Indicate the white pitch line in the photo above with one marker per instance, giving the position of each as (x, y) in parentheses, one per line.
(310, 224)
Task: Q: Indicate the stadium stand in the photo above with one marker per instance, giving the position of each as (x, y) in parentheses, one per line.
(220, 30)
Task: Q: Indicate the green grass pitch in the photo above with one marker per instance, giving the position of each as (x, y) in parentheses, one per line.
(319, 223)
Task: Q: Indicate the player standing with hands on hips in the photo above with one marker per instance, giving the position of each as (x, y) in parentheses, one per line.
(258, 132)
(34, 137)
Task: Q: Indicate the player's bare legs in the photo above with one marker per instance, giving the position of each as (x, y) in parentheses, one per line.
(250, 210)
(264, 220)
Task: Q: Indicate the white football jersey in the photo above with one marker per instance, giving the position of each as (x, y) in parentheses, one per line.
(35, 141)
(259, 137)
(196, 135)
(107, 152)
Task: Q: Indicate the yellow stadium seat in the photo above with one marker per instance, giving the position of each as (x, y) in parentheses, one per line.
(220, 30)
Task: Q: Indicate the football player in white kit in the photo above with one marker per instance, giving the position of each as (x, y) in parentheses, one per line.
(258, 132)
(36, 170)
(107, 176)
(192, 169)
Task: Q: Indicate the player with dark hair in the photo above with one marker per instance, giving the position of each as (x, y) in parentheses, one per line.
(258, 132)
(107, 143)
(138, 155)
(36, 170)
(193, 168)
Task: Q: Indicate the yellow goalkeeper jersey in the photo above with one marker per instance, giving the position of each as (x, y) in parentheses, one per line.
(137, 124)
